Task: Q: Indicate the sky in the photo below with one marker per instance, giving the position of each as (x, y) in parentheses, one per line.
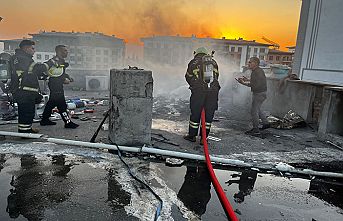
(277, 20)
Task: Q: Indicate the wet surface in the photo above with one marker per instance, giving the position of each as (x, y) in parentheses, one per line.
(56, 188)
(49, 185)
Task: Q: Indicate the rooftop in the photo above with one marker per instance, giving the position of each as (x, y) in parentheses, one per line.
(273, 51)
(75, 34)
(239, 41)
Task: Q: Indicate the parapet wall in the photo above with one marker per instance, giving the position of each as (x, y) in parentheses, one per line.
(317, 103)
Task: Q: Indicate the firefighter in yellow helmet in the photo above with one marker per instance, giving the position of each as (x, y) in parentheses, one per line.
(202, 76)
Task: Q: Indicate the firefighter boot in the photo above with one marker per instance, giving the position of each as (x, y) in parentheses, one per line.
(189, 138)
(31, 130)
(67, 122)
(46, 122)
(202, 142)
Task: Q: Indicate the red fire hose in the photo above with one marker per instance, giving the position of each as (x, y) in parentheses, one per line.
(219, 190)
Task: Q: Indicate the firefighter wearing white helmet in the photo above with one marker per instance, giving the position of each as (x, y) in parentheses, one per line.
(202, 76)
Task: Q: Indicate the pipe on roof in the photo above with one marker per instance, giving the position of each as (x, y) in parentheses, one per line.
(145, 149)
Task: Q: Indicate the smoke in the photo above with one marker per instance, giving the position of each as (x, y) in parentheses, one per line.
(137, 18)
(170, 83)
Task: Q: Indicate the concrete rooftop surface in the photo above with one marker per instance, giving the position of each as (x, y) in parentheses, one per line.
(170, 123)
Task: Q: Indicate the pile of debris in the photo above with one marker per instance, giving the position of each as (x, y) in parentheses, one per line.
(289, 121)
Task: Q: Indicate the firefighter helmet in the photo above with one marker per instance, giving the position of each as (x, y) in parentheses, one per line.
(200, 50)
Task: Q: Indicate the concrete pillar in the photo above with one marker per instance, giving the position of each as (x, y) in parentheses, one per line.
(331, 118)
(131, 107)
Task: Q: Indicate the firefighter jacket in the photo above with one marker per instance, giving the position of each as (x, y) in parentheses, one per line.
(194, 75)
(57, 75)
(27, 71)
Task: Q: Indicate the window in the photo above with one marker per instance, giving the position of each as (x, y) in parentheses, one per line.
(262, 50)
(46, 57)
(97, 59)
(284, 58)
(278, 58)
(79, 58)
(271, 58)
(261, 57)
(97, 52)
(106, 60)
(239, 49)
(105, 52)
(39, 56)
(255, 50)
(232, 49)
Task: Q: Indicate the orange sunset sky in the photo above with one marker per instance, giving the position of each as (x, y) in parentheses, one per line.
(131, 19)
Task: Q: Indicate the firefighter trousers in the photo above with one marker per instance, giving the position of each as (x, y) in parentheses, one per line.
(56, 100)
(26, 109)
(200, 98)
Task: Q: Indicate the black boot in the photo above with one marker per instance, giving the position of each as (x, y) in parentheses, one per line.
(31, 130)
(67, 122)
(46, 122)
(71, 125)
(189, 138)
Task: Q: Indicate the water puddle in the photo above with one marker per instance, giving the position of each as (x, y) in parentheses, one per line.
(54, 184)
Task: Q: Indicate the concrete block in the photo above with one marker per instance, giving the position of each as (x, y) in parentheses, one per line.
(131, 101)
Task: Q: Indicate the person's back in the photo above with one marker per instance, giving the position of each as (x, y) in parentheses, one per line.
(202, 76)
(195, 75)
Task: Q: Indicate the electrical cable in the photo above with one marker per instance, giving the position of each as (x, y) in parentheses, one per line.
(160, 206)
(219, 190)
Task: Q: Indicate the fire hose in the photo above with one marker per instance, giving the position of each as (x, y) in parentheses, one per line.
(219, 190)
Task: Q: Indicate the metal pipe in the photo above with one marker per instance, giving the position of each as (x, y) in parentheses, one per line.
(145, 149)
(217, 160)
(93, 145)
(23, 135)
(195, 157)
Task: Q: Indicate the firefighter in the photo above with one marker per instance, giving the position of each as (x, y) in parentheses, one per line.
(202, 76)
(24, 84)
(57, 77)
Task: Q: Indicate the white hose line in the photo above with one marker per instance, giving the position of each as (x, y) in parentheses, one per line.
(195, 157)
(93, 145)
(144, 149)
(23, 135)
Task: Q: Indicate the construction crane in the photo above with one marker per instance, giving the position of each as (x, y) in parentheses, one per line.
(275, 45)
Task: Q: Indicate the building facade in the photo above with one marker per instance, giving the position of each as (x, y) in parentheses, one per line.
(280, 57)
(291, 49)
(319, 48)
(177, 50)
(87, 51)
